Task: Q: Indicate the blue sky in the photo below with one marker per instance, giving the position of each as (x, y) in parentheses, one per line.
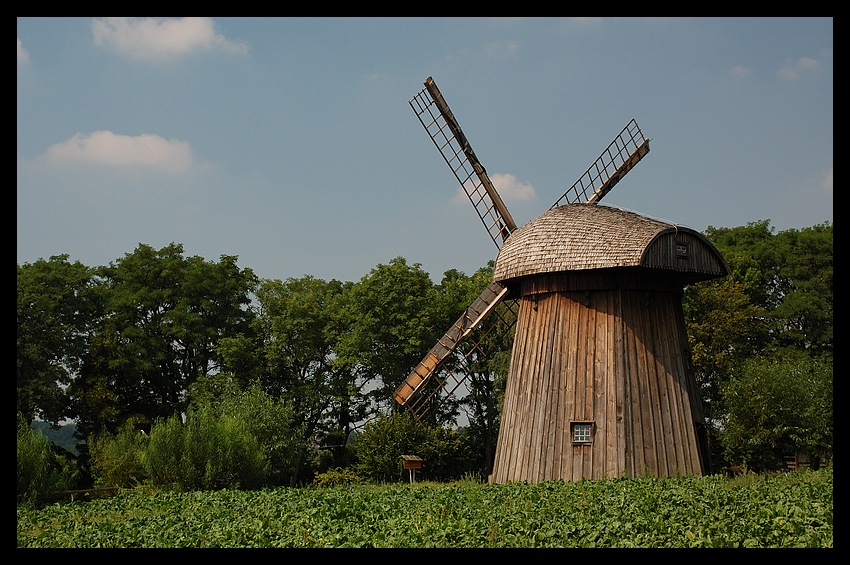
(289, 142)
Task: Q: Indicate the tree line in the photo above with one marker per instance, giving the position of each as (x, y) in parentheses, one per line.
(158, 339)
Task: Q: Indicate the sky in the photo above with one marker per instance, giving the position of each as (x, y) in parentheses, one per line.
(290, 143)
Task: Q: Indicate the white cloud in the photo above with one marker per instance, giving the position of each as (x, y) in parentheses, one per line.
(508, 187)
(23, 56)
(792, 71)
(107, 148)
(159, 39)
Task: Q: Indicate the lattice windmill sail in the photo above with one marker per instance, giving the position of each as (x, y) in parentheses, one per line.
(436, 117)
(599, 383)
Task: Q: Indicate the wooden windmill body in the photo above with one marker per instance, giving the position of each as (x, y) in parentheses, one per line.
(600, 383)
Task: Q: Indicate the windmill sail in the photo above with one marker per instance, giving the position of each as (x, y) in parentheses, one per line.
(409, 393)
(431, 376)
(437, 119)
(627, 149)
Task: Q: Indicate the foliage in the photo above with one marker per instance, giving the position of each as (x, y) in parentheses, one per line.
(786, 510)
(118, 460)
(383, 441)
(41, 473)
(778, 298)
(789, 274)
(271, 421)
(55, 310)
(724, 328)
(208, 452)
(804, 317)
(297, 360)
(777, 407)
(163, 317)
(337, 476)
(156, 333)
(387, 327)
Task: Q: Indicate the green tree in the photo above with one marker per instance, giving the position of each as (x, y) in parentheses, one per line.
(57, 308)
(803, 318)
(388, 325)
(779, 297)
(779, 406)
(724, 329)
(296, 347)
(789, 274)
(164, 316)
(480, 361)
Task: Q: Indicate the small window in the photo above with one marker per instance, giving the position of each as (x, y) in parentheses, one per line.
(581, 432)
(682, 250)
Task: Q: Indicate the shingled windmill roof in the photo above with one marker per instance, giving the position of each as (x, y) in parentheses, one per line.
(592, 236)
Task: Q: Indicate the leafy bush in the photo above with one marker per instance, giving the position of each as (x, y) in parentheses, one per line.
(164, 456)
(379, 448)
(119, 460)
(41, 473)
(779, 406)
(255, 413)
(209, 452)
(240, 439)
(337, 476)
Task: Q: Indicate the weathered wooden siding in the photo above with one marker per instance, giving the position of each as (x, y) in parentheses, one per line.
(615, 357)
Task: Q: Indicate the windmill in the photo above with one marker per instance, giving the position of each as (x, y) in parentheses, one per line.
(599, 383)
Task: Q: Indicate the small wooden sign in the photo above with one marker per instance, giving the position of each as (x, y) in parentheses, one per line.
(411, 462)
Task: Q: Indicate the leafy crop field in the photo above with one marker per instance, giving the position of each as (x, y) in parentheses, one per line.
(778, 511)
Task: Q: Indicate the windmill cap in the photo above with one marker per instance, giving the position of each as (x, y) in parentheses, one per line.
(578, 237)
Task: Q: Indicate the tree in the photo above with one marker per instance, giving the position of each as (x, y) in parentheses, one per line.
(483, 367)
(296, 342)
(804, 317)
(778, 298)
(164, 316)
(57, 308)
(789, 274)
(388, 325)
(779, 406)
(724, 329)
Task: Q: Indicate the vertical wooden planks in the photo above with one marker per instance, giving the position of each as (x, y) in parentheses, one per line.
(613, 357)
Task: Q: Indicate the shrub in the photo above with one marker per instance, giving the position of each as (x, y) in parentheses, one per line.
(338, 476)
(209, 452)
(379, 448)
(40, 472)
(119, 460)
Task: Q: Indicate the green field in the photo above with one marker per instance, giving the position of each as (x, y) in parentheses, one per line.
(776, 511)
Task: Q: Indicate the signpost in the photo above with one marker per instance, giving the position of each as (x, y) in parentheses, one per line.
(411, 463)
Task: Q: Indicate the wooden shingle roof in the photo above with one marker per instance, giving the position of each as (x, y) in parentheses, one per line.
(592, 236)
